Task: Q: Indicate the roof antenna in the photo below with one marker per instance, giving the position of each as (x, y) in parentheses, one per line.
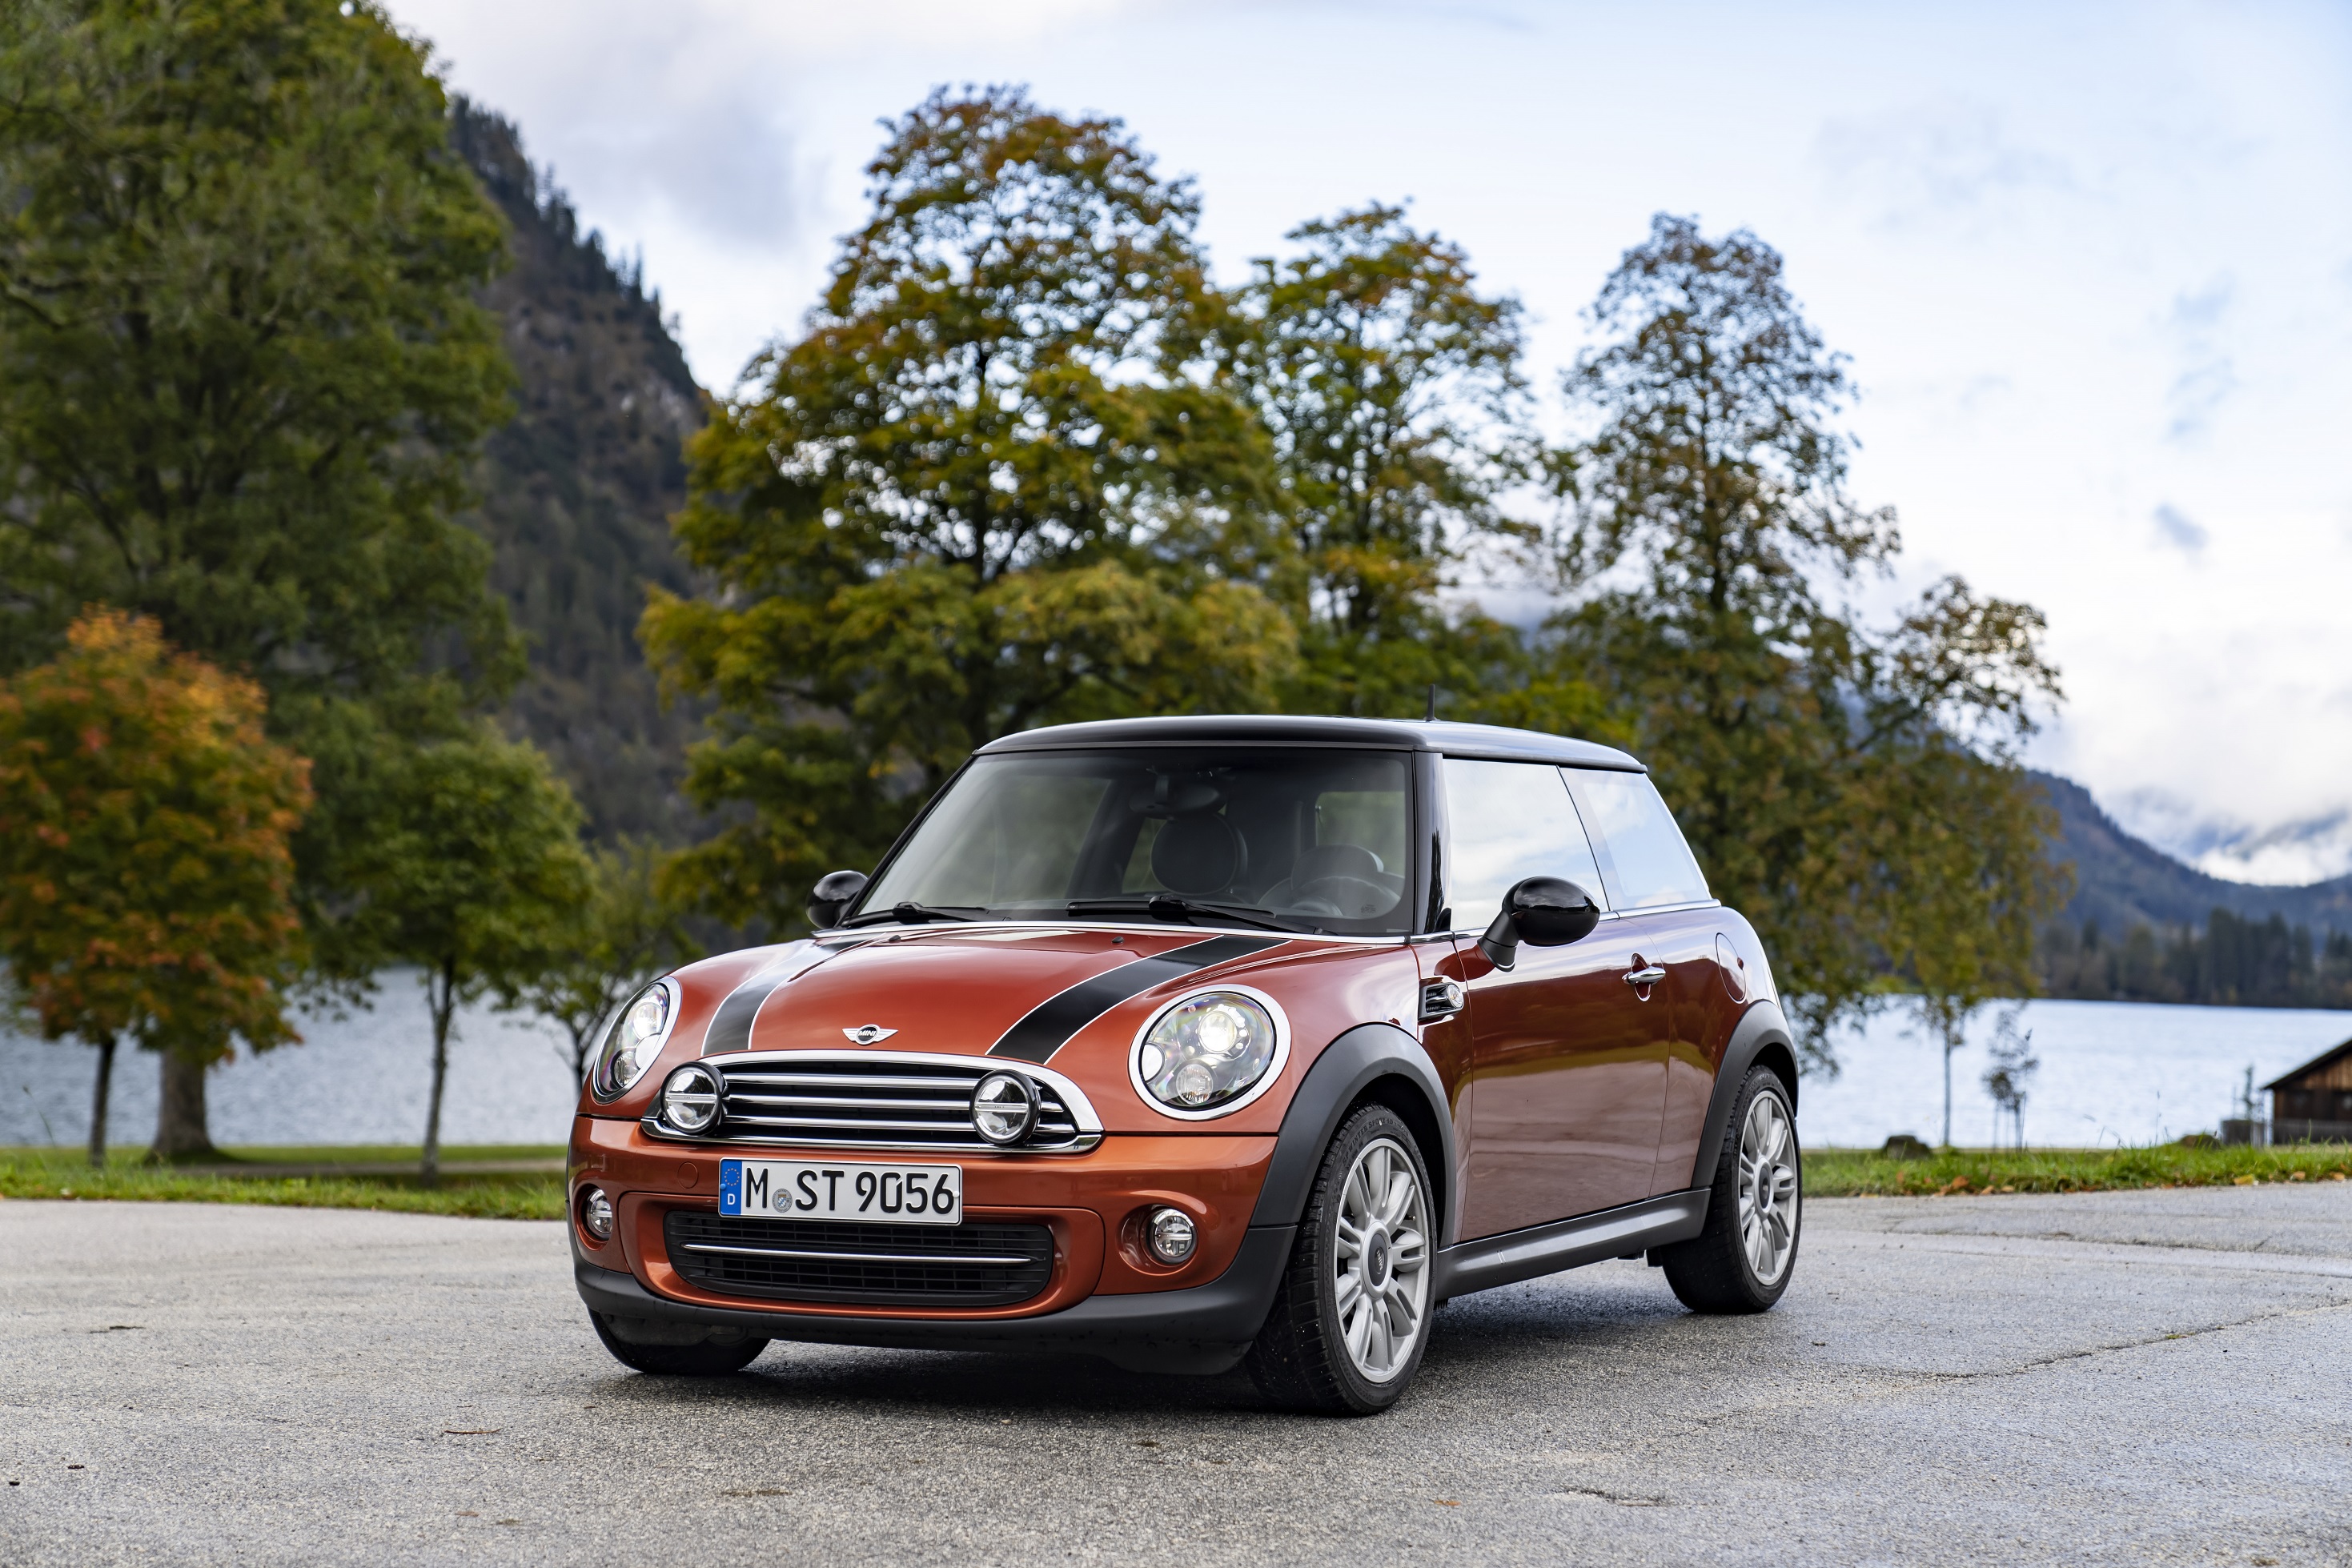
(1432, 717)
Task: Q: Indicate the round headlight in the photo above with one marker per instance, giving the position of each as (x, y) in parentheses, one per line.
(1004, 1108)
(691, 1098)
(596, 1214)
(636, 1036)
(1209, 1053)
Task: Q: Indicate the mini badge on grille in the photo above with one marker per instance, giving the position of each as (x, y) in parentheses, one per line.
(868, 1033)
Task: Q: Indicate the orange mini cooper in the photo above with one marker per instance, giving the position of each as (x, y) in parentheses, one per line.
(1189, 1042)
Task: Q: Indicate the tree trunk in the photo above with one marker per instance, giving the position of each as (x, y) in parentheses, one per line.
(180, 1130)
(98, 1102)
(1947, 1094)
(441, 996)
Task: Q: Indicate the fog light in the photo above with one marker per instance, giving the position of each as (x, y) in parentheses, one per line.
(1004, 1108)
(1173, 1235)
(690, 1100)
(596, 1214)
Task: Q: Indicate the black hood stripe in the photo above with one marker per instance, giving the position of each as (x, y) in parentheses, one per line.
(1048, 1025)
(730, 1027)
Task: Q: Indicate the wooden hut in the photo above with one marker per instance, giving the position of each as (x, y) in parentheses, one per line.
(2313, 1105)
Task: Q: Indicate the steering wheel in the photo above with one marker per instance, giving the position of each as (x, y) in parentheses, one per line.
(1348, 897)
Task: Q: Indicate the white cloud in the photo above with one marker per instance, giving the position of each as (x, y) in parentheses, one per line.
(2179, 529)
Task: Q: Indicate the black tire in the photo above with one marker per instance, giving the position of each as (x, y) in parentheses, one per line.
(1713, 1272)
(1300, 1359)
(706, 1359)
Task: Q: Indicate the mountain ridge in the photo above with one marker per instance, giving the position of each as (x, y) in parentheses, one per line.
(577, 493)
(2122, 881)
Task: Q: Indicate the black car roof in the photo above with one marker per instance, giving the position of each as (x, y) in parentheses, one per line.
(1480, 740)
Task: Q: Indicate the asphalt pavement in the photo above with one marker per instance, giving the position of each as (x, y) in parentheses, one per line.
(2128, 1377)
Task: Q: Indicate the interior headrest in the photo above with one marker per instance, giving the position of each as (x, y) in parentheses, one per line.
(1198, 854)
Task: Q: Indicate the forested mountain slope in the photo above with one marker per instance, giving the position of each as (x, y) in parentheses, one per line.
(2121, 882)
(577, 493)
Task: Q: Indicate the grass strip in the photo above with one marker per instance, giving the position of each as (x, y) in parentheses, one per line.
(1829, 1173)
(63, 1174)
(1859, 1173)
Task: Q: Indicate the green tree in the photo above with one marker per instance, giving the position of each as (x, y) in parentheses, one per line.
(475, 874)
(242, 368)
(1855, 791)
(1400, 420)
(997, 484)
(146, 879)
(625, 935)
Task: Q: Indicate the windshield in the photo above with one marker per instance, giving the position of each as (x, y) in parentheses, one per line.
(1311, 840)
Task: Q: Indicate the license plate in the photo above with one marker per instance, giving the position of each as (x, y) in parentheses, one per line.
(901, 1194)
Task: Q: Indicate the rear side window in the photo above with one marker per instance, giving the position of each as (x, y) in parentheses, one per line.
(1645, 859)
(1506, 822)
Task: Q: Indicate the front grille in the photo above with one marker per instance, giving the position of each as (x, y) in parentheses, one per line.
(971, 1265)
(878, 1102)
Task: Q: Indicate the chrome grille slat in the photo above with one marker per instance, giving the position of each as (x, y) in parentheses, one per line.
(876, 1124)
(881, 1101)
(854, 1081)
(846, 1102)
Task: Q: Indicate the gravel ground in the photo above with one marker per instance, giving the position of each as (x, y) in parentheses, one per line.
(2135, 1377)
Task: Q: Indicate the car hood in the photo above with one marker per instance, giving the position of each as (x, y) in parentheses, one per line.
(1018, 991)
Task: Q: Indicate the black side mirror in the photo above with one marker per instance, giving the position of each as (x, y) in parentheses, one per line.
(834, 891)
(1542, 910)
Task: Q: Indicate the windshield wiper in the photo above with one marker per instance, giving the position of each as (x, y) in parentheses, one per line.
(915, 913)
(1170, 907)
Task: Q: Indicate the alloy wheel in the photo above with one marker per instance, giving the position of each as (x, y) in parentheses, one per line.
(1383, 1260)
(1767, 1188)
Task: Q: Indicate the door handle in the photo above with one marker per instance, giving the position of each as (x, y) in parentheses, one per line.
(1649, 975)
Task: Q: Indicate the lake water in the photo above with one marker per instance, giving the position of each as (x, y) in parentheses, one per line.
(2112, 1072)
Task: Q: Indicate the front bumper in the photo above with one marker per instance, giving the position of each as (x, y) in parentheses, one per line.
(1105, 1295)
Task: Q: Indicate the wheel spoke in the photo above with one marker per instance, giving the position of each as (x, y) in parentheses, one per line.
(1351, 1291)
(1403, 1311)
(1398, 1200)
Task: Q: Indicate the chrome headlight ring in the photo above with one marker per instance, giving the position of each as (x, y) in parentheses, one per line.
(634, 1040)
(1265, 1080)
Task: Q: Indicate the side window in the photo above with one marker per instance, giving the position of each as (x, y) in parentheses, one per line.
(1506, 822)
(1647, 862)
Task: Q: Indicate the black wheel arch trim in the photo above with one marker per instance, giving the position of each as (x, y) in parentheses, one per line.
(1356, 1063)
(1761, 1034)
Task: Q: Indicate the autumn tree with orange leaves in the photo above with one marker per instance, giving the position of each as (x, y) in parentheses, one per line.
(146, 885)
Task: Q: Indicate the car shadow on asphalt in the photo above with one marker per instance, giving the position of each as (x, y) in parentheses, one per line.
(1491, 1338)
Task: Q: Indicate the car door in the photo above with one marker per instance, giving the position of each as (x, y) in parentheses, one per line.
(1665, 915)
(1565, 1082)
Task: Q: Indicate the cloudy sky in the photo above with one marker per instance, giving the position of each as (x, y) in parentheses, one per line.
(2092, 263)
